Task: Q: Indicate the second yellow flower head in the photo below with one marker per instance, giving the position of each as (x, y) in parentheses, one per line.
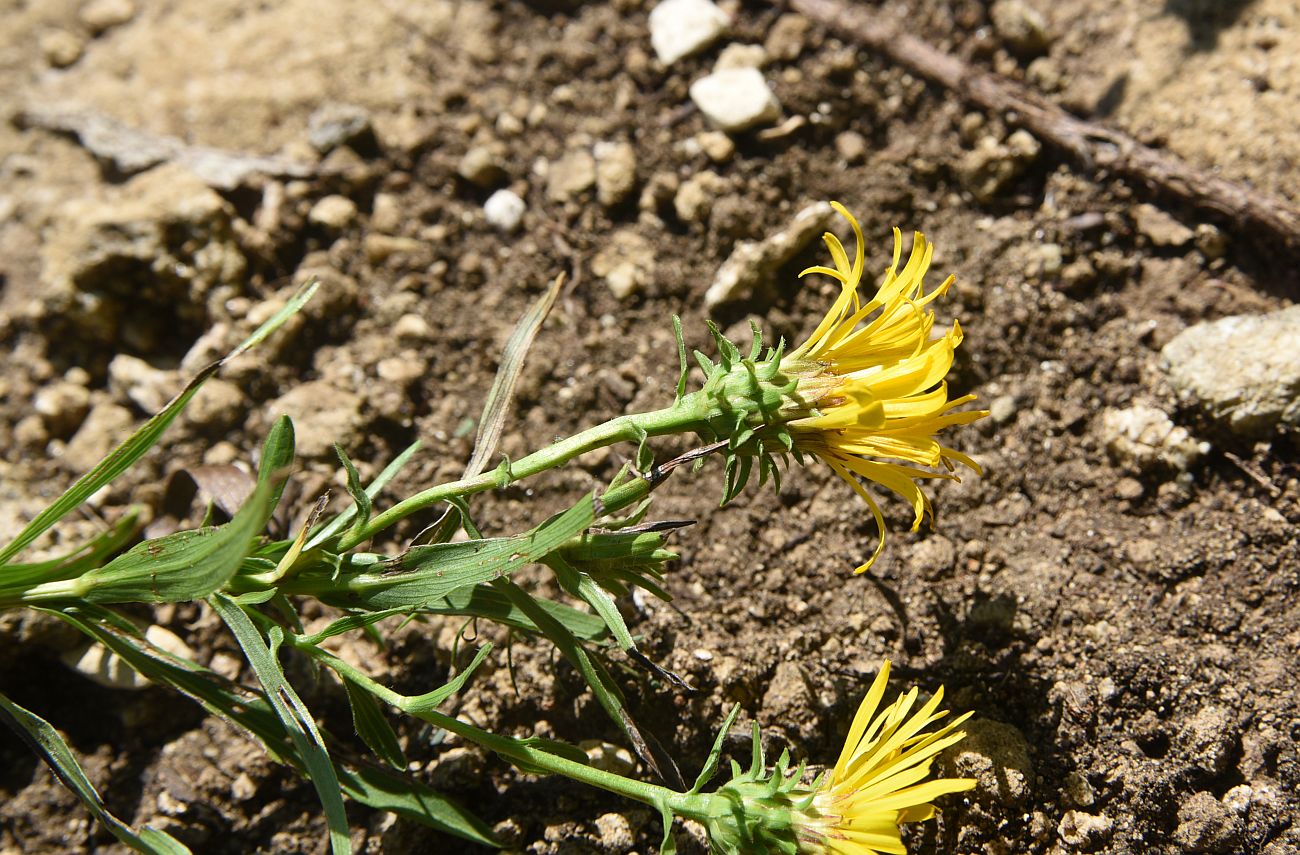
(875, 378)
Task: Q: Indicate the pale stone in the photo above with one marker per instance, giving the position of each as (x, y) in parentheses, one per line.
(504, 210)
(1160, 228)
(102, 15)
(754, 262)
(479, 166)
(679, 28)
(1142, 437)
(62, 48)
(741, 56)
(571, 175)
(626, 263)
(334, 213)
(1243, 370)
(615, 172)
(716, 145)
(735, 99)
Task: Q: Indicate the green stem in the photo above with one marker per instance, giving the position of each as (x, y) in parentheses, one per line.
(674, 419)
(515, 750)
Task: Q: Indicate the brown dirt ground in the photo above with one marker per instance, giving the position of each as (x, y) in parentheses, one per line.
(1128, 639)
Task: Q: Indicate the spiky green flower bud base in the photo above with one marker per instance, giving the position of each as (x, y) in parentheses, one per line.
(761, 812)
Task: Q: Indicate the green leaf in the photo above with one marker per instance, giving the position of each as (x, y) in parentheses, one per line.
(277, 457)
(711, 764)
(432, 700)
(497, 405)
(424, 574)
(19, 577)
(375, 787)
(390, 471)
(372, 727)
(669, 844)
(46, 742)
(361, 501)
(490, 604)
(597, 678)
(125, 455)
(293, 714)
(385, 790)
(180, 567)
(685, 369)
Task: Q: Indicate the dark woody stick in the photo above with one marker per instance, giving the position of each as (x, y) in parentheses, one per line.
(1095, 147)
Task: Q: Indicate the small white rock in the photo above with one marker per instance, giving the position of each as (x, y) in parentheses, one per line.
(753, 262)
(504, 210)
(608, 757)
(626, 263)
(1142, 437)
(102, 15)
(737, 55)
(735, 99)
(716, 145)
(106, 668)
(615, 171)
(334, 213)
(681, 27)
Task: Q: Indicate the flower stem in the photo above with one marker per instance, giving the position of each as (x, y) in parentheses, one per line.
(517, 751)
(677, 418)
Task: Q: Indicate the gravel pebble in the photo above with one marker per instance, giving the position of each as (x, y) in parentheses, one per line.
(333, 213)
(615, 172)
(62, 406)
(1084, 832)
(1021, 28)
(62, 48)
(480, 167)
(1143, 438)
(738, 55)
(504, 210)
(996, 755)
(1207, 825)
(571, 175)
(679, 28)
(788, 37)
(626, 263)
(1244, 370)
(336, 125)
(735, 99)
(754, 262)
(716, 146)
(1160, 228)
(694, 198)
(102, 15)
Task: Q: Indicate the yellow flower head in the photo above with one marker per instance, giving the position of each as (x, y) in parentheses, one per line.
(876, 379)
(879, 781)
(856, 808)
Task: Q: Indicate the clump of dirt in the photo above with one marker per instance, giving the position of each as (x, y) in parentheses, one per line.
(1112, 599)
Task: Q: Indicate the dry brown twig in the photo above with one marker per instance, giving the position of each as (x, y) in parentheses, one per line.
(1095, 147)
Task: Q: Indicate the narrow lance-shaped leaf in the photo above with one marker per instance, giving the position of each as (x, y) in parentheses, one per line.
(293, 713)
(379, 788)
(497, 405)
(187, 565)
(19, 577)
(490, 604)
(425, 574)
(598, 678)
(50, 746)
(372, 727)
(389, 472)
(133, 448)
(363, 505)
(277, 457)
